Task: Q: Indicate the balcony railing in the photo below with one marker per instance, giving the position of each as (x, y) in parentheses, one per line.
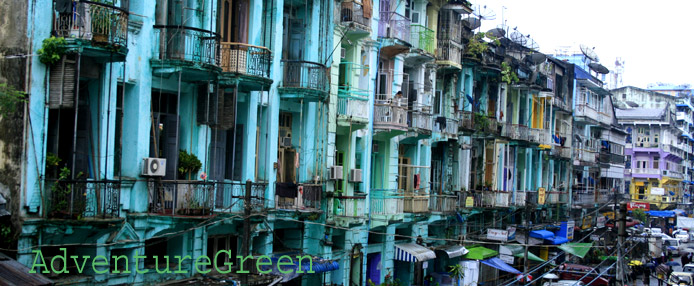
(420, 120)
(415, 202)
(353, 13)
(466, 120)
(181, 197)
(448, 52)
(450, 26)
(300, 197)
(390, 113)
(672, 174)
(443, 203)
(423, 38)
(588, 156)
(560, 103)
(645, 171)
(445, 125)
(604, 118)
(305, 74)
(187, 44)
(350, 206)
(584, 199)
(230, 197)
(352, 102)
(539, 136)
(564, 152)
(245, 59)
(557, 197)
(394, 25)
(98, 22)
(82, 199)
(583, 110)
(386, 202)
(520, 199)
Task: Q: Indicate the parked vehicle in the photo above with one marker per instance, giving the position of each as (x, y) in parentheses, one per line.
(682, 234)
(564, 283)
(568, 271)
(681, 278)
(689, 268)
(673, 245)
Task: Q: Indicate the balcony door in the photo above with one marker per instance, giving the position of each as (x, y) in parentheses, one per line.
(234, 21)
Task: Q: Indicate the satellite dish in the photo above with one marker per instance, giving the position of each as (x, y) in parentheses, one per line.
(497, 32)
(589, 53)
(531, 44)
(620, 105)
(632, 104)
(536, 58)
(483, 13)
(473, 22)
(598, 68)
(518, 38)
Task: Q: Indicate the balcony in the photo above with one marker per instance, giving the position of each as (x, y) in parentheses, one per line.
(561, 104)
(604, 118)
(81, 199)
(304, 80)
(563, 152)
(415, 202)
(350, 207)
(352, 15)
(298, 197)
(193, 198)
(94, 27)
(557, 198)
(392, 25)
(588, 112)
(584, 199)
(446, 126)
(487, 124)
(466, 121)
(645, 171)
(423, 38)
(352, 104)
(420, 121)
(448, 54)
(230, 197)
(672, 174)
(443, 204)
(246, 60)
(539, 136)
(192, 49)
(390, 113)
(386, 202)
(586, 156)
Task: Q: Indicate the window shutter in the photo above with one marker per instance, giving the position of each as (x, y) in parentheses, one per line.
(171, 146)
(227, 108)
(207, 106)
(62, 83)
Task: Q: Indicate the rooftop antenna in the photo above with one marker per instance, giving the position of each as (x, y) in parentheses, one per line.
(589, 53)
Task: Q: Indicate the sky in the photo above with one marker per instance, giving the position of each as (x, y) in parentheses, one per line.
(651, 37)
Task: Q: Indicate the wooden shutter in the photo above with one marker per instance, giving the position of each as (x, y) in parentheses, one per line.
(62, 83)
(208, 106)
(170, 145)
(226, 109)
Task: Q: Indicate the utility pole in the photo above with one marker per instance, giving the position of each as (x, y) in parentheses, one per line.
(621, 233)
(527, 236)
(245, 244)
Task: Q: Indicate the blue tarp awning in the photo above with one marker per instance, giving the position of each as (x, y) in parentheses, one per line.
(680, 212)
(500, 264)
(542, 234)
(316, 265)
(558, 240)
(662, 213)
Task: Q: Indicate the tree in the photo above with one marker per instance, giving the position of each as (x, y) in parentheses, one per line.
(639, 214)
(457, 272)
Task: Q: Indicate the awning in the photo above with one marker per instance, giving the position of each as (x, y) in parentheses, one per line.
(14, 273)
(412, 252)
(453, 251)
(317, 264)
(661, 213)
(542, 234)
(480, 253)
(558, 240)
(576, 248)
(518, 251)
(499, 264)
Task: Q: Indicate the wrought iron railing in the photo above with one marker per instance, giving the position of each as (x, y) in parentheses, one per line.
(350, 206)
(87, 20)
(353, 12)
(386, 202)
(390, 112)
(394, 25)
(305, 74)
(443, 203)
(448, 52)
(423, 38)
(353, 102)
(299, 197)
(76, 199)
(245, 59)
(230, 197)
(187, 44)
(419, 120)
(181, 197)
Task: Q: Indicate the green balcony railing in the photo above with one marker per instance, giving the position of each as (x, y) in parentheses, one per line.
(423, 38)
(353, 102)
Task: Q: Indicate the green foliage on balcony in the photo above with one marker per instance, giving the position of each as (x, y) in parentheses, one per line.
(479, 44)
(52, 50)
(507, 75)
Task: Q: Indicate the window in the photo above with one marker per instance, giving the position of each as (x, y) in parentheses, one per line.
(235, 21)
(655, 164)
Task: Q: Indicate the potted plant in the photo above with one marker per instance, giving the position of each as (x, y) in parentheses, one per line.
(102, 20)
(188, 164)
(52, 50)
(457, 272)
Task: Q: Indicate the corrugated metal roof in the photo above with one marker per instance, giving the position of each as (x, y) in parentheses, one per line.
(640, 113)
(14, 273)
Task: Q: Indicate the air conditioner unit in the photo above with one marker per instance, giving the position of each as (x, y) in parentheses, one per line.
(355, 175)
(336, 173)
(155, 167)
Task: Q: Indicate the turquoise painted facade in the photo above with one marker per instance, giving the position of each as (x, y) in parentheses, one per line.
(342, 130)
